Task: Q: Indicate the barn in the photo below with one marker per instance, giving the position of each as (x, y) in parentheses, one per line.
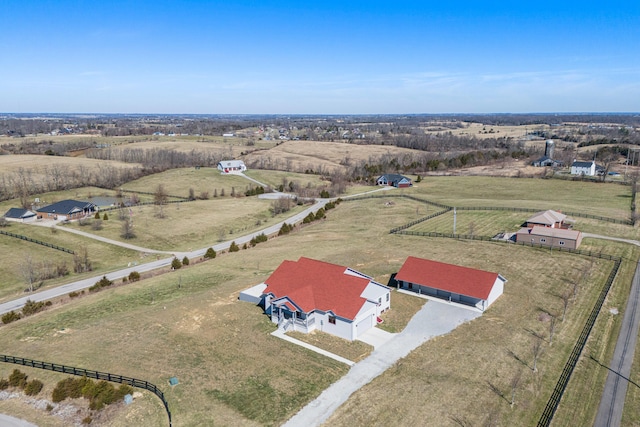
(463, 285)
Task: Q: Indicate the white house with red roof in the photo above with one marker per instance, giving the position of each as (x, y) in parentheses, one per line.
(453, 283)
(308, 295)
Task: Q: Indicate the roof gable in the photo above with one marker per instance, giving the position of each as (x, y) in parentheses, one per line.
(560, 233)
(19, 213)
(317, 285)
(548, 217)
(448, 277)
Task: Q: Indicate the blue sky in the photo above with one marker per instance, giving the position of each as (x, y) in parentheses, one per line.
(319, 57)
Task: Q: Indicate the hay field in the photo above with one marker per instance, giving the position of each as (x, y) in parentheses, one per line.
(39, 167)
(320, 156)
(190, 324)
(480, 131)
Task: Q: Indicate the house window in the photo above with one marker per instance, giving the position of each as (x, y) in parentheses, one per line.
(561, 243)
(543, 240)
(379, 300)
(387, 297)
(410, 285)
(332, 320)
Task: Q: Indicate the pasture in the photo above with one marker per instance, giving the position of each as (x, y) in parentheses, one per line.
(189, 324)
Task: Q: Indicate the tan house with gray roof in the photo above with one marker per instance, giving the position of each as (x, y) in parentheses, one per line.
(550, 236)
(552, 219)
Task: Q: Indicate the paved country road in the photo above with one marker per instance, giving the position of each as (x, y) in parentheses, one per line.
(76, 286)
(615, 389)
(7, 421)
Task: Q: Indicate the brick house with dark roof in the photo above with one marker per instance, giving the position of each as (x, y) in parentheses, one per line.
(308, 295)
(468, 286)
(67, 210)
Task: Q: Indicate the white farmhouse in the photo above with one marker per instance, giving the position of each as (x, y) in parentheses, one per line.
(583, 168)
(308, 295)
(231, 166)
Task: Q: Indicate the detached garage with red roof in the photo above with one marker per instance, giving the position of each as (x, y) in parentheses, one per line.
(450, 282)
(308, 295)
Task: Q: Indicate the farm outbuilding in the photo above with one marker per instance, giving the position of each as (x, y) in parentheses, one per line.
(549, 218)
(308, 295)
(547, 236)
(19, 214)
(463, 285)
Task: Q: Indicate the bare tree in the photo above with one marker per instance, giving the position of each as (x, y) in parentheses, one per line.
(566, 298)
(81, 262)
(536, 349)
(160, 196)
(127, 229)
(552, 328)
(515, 382)
(29, 271)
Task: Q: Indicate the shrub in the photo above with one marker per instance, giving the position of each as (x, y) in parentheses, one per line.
(320, 214)
(11, 316)
(87, 420)
(105, 217)
(285, 229)
(185, 261)
(244, 246)
(309, 218)
(49, 407)
(17, 379)
(32, 307)
(73, 294)
(33, 387)
(210, 254)
(325, 194)
(233, 247)
(176, 264)
(102, 283)
(261, 238)
(97, 215)
(134, 276)
(4, 384)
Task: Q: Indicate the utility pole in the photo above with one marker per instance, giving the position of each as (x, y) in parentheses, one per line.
(454, 220)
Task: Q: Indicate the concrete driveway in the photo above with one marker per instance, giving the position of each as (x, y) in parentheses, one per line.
(376, 337)
(434, 319)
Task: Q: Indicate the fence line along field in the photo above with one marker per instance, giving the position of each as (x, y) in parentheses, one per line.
(605, 199)
(190, 324)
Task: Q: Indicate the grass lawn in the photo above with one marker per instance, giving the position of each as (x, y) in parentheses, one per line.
(605, 199)
(350, 350)
(477, 223)
(191, 225)
(403, 307)
(104, 257)
(177, 182)
(190, 324)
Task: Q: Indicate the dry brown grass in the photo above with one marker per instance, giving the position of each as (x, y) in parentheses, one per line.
(37, 165)
(233, 372)
(319, 156)
(350, 350)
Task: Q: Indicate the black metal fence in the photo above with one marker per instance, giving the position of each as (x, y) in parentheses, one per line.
(558, 391)
(29, 239)
(134, 382)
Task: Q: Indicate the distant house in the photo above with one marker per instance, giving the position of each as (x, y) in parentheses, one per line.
(551, 219)
(231, 166)
(469, 286)
(21, 215)
(394, 180)
(308, 295)
(67, 210)
(583, 168)
(547, 236)
(228, 135)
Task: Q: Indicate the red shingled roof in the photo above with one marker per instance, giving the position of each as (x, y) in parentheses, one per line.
(447, 277)
(313, 284)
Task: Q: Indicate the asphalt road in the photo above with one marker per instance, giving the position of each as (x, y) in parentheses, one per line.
(615, 389)
(7, 421)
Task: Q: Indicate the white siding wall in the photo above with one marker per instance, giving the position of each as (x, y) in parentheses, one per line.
(496, 291)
